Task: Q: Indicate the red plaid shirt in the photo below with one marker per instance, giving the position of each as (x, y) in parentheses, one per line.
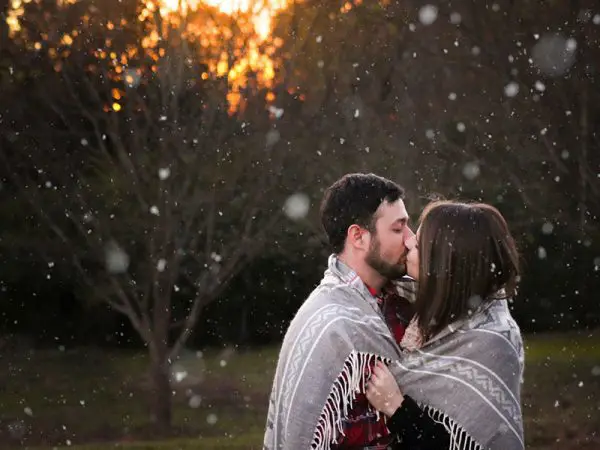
(362, 430)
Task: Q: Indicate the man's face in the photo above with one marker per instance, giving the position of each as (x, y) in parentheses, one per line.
(387, 250)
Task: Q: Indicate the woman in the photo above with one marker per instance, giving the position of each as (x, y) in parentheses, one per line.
(463, 361)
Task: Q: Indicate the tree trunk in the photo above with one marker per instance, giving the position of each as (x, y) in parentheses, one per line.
(583, 158)
(162, 395)
(159, 355)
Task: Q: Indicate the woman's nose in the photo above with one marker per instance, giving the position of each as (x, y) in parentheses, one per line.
(410, 242)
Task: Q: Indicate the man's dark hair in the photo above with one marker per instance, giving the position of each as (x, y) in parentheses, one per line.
(354, 199)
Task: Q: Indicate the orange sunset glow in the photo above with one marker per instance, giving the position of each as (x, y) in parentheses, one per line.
(253, 58)
(262, 11)
(253, 52)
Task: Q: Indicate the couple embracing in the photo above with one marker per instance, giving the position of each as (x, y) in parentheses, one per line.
(407, 342)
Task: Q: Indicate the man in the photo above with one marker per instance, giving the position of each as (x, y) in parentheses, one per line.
(336, 337)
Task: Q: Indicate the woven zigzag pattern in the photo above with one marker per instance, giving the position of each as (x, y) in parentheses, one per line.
(475, 376)
(488, 384)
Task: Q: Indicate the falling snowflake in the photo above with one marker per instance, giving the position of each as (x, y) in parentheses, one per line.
(180, 376)
(541, 253)
(547, 228)
(164, 173)
(455, 18)
(554, 54)
(511, 89)
(277, 112)
(195, 401)
(272, 137)
(471, 170)
(461, 127)
(161, 265)
(428, 14)
(154, 210)
(116, 259)
(211, 419)
(296, 206)
(540, 86)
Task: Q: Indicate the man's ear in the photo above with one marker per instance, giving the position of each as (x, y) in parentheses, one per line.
(356, 237)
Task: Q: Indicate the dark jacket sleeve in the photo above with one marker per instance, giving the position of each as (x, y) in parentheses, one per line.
(415, 429)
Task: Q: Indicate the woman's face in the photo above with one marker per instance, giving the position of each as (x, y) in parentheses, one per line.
(412, 258)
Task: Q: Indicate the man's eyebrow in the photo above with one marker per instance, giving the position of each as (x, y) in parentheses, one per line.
(400, 220)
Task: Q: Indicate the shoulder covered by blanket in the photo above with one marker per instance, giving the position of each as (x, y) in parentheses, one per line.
(469, 377)
(322, 362)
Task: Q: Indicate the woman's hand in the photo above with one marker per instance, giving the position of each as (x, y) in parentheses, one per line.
(382, 390)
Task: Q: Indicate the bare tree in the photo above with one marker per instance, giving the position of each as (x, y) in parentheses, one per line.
(157, 195)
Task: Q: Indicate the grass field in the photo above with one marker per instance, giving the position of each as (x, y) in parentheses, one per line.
(92, 399)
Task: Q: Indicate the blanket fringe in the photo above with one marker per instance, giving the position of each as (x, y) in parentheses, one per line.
(459, 438)
(352, 380)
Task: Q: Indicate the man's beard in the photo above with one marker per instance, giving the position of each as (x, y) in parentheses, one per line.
(385, 269)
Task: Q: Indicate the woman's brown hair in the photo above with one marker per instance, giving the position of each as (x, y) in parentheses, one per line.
(466, 255)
